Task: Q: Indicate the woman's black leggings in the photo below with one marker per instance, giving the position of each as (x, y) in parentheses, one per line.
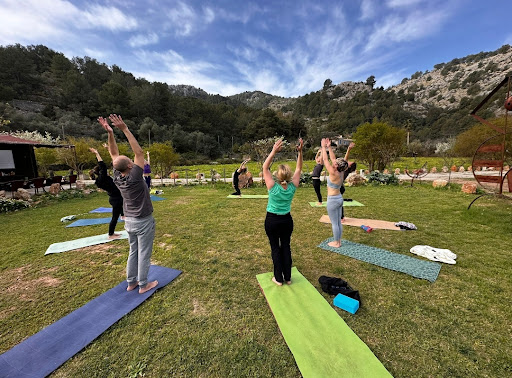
(316, 185)
(279, 230)
(117, 210)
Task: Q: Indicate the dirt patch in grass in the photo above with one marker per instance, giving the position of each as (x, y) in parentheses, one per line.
(183, 201)
(26, 288)
(102, 249)
(5, 313)
(198, 309)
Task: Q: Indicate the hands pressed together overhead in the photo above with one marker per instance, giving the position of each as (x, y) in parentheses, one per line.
(116, 120)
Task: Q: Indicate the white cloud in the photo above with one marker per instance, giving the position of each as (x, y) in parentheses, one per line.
(98, 16)
(209, 15)
(140, 40)
(368, 9)
(402, 3)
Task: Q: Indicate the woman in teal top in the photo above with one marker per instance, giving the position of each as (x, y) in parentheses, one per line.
(279, 222)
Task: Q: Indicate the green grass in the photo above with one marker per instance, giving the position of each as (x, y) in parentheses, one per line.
(214, 321)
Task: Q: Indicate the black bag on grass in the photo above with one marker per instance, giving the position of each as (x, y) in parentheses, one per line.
(333, 286)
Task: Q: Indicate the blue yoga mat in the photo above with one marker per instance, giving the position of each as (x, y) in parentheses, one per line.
(42, 353)
(101, 210)
(90, 222)
(426, 270)
(155, 198)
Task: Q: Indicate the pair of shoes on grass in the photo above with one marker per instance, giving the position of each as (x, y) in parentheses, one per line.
(435, 254)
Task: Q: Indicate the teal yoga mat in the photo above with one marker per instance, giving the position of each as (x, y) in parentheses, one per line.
(345, 204)
(83, 242)
(426, 270)
(249, 196)
(155, 198)
(321, 342)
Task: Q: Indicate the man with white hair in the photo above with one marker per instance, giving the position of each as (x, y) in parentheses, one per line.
(137, 206)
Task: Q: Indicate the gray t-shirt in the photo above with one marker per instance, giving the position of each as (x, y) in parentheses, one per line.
(135, 192)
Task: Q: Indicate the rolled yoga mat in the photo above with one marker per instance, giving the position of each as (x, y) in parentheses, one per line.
(321, 342)
(83, 242)
(42, 353)
(90, 222)
(249, 196)
(426, 270)
(345, 204)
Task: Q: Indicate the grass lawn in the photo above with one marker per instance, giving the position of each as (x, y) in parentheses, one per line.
(213, 320)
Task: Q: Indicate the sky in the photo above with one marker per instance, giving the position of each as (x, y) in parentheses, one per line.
(282, 47)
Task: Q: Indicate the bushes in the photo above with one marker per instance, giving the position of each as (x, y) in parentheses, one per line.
(7, 204)
(377, 178)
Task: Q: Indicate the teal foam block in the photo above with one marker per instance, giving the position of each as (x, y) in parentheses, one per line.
(427, 270)
(346, 303)
(83, 242)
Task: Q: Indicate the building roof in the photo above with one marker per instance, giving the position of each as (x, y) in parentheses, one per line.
(9, 139)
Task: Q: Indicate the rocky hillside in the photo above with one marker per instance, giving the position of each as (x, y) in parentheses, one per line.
(449, 83)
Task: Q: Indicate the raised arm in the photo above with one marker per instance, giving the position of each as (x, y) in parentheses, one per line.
(149, 161)
(112, 145)
(298, 169)
(267, 176)
(95, 151)
(327, 163)
(350, 146)
(329, 148)
(118, 122)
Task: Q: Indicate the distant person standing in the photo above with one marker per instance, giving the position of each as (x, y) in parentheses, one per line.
(241, 170)
(317, 172)
(147, 170)
(105, 182)
(137, 206)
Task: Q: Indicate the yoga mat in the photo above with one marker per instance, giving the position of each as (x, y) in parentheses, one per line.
(90, 222)
(83, 242)
(42, 353)
(373, 223)
(345, 204)
(155, 198)
(249, 196)
(321, 342)
(101, 210)
(426, 270)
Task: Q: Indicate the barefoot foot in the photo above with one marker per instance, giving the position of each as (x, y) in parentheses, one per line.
(114, 236)
(319, 203)
(288, 282)
(148, 287)
(335, 244)
(276, 282)
(132, 286)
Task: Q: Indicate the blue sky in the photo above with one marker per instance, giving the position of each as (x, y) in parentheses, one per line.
(286, 48)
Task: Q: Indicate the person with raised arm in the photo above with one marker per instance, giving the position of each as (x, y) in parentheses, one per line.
(104, 181)
(279, 222)
(336, 169)
(137, 206)
(147, 170)
(241, 170)
(317, 173)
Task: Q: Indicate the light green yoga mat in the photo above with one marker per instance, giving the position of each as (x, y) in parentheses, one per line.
(345, 204)
(249, 196)
(321, 342)
(83, 242)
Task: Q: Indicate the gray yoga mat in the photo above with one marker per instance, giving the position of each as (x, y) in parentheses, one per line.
(83, 242)
(426, 270)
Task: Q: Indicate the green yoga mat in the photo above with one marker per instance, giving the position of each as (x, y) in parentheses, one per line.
(345, 204)
(249, 196)
(321, 342)
(426, 270)
(83, 242)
